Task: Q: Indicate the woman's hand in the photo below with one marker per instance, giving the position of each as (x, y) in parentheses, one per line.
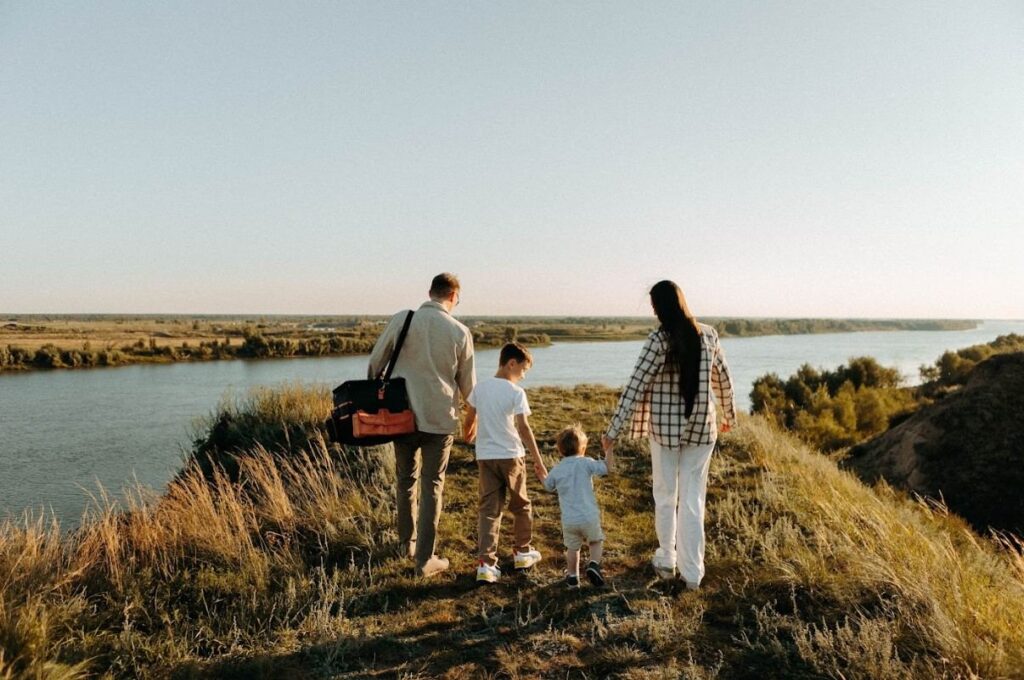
(607, 443)
(725, 427)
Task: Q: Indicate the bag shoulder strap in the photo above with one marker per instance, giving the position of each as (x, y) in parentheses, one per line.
(386, 375)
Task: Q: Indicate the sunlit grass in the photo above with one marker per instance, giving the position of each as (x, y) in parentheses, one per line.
(289, 572)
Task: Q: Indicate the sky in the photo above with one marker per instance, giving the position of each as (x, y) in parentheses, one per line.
(825, 159)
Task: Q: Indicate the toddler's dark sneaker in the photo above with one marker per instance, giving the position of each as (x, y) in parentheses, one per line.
(594, 573)
(572, 581)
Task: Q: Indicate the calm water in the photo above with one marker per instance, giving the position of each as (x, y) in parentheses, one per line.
(64, 432)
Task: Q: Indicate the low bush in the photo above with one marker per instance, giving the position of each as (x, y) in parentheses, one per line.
(834, 409)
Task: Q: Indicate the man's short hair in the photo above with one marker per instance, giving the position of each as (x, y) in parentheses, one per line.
(571, 441)
(444, 285)
(513, 350)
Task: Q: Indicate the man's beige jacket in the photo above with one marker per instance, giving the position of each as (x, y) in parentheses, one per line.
(436, 362)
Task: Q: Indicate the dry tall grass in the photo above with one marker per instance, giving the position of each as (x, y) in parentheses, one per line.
(915, 593)
(210, 567)
(287, 573)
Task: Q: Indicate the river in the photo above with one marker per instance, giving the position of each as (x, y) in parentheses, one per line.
(63, 434)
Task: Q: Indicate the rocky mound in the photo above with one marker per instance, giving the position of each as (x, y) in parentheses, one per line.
(967, 448)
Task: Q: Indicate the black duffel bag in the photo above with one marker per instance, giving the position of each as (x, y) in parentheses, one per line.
(375, 411)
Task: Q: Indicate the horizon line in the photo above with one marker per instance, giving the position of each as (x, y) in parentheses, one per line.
(217, 315)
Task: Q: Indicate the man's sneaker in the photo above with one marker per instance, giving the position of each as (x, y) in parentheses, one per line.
(594, 574)
(572, 581)
(485, 573)
(525, 560)
(435, 565)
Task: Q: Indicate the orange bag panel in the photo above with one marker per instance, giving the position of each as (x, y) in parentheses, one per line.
(383, 422)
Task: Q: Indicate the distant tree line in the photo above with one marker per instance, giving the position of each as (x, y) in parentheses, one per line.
(254, 345)
(258, 346)
(752, 327)
(497, 337)
(861, 399)
(51, 356)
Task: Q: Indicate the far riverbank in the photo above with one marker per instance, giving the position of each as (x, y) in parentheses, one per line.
(32, 342)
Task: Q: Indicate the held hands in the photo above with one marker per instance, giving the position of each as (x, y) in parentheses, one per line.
(724, 427)
(469, 431)
(608, 444)
(540, 470)
(469, 423)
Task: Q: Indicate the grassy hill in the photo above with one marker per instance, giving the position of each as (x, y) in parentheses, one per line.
(289, 573)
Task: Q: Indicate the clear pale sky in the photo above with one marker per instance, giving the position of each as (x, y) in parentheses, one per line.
(775, 159)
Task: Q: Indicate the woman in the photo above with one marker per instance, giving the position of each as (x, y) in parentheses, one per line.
(668, 398)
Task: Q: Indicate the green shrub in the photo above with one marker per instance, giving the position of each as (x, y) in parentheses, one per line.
(834, 409)
(48, 356)
(953, 368)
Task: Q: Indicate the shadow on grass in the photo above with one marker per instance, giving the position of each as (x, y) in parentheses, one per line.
(491, 620)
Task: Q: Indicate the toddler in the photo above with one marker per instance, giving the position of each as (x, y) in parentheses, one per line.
(572, 480)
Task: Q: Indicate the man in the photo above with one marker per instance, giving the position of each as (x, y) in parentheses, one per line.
(437, 364)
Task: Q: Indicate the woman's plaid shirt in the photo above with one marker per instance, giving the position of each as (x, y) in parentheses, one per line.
(654, 405)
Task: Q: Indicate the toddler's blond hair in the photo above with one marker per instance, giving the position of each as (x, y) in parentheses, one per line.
(571, 441)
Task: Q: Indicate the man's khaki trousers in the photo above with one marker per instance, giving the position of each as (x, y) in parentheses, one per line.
(421, 460)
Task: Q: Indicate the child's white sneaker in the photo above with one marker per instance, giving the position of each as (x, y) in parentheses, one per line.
(485, 573)
(525, 560)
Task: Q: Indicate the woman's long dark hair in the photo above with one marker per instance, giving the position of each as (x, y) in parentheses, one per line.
(683, 337)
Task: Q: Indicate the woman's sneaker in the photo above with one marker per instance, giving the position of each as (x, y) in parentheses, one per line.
(525, 560)
(572, 581)
(485, 573)
(664, 573)
(594, 574)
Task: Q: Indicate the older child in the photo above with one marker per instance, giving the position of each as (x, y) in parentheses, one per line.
(572, 479)
(500, 409)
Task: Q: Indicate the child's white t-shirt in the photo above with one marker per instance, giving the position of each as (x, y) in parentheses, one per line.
(497, 402)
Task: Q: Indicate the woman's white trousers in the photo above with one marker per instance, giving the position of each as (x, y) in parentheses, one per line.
(680, 480)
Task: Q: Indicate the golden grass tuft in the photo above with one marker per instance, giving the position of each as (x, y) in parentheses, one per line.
(949, 591)
(208, 567)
